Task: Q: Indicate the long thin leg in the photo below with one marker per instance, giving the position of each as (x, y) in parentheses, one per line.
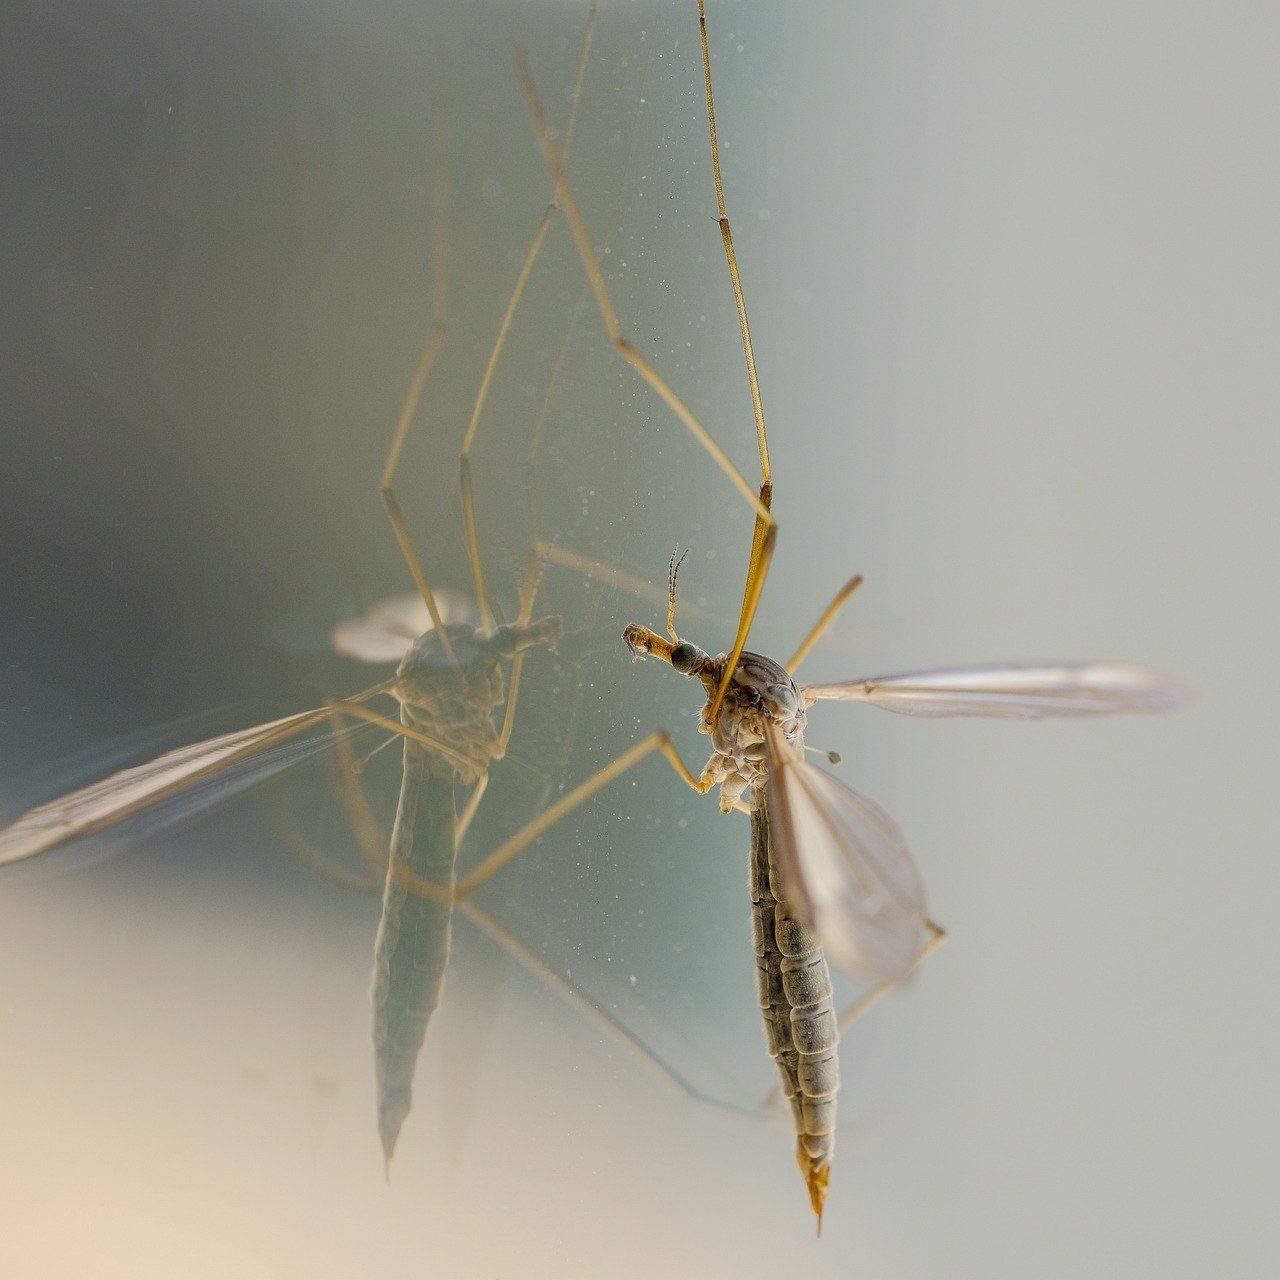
(761, 546)
(584, 299)
(761, 557)
(658, 741)
(528, 593)
(495, 861)
(408, 731)
(376, 855)
(473, 544)
(533, 571)
(586, 251)
(765, 528)
(766, 474)
(411, 557)
(531, 253)
(828, 617)
(355, 804)
(589, 1010)
(543, 549)
(553, 553)
(464, 456)
(441, 197)
(504, 328)
(413, 397)
(294, 845)
(469, 810)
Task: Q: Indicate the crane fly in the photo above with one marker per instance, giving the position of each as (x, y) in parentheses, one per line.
(448, 687)
(830, 871)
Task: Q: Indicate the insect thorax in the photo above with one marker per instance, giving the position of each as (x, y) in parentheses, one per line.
(453, 702)
(761, 692)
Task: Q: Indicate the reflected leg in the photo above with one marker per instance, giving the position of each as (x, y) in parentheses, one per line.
(658, 741)
(378, 857)
(609, 317)
(413, 397)
(532, 250)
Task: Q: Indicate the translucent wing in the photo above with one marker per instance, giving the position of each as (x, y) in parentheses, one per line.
(846, 871)
(387, 631)
(1014, 691)
(104, 803)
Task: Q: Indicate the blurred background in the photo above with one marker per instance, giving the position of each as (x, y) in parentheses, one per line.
(1012, 277)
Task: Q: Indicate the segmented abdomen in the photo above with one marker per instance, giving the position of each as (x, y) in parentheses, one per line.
(799, 1011)
(412, 947)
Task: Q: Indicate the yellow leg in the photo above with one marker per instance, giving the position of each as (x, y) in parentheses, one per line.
(532, 250)
(766, 474)
(544, 550)
(408, 731)
(828, 617)
(533, 570)
(296, 846)
(442, 194)
(473, 544)
(377, 856)
(411, 558)
(526, 270)
(757, 571)
(355, 804)
(499, 858)
(528, 594)
(766, 526)
(464, 459)
(586, 251)
(763, 536)
(440, 305)
(567, 345)
(411, 401)
(509, 711)
(761, 542)
(469, 809)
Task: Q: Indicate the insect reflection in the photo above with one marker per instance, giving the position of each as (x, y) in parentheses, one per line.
(830, 871)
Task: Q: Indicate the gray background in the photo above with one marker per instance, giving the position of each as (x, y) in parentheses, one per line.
(1012, 276)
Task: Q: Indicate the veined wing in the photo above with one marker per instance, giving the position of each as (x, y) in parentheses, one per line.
(104, 803)
(1015, 691)
(388, 630)
(846, 871)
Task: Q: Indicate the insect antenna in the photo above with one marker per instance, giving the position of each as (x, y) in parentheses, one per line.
(672, 573)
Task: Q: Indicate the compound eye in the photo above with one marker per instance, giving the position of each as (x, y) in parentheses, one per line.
(684, 657)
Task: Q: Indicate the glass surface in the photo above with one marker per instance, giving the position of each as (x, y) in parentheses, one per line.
(1011, 274)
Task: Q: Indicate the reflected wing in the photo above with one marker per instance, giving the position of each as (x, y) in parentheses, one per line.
(115, 798)
(388, 630)
(846, 871)
(1014, 691)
